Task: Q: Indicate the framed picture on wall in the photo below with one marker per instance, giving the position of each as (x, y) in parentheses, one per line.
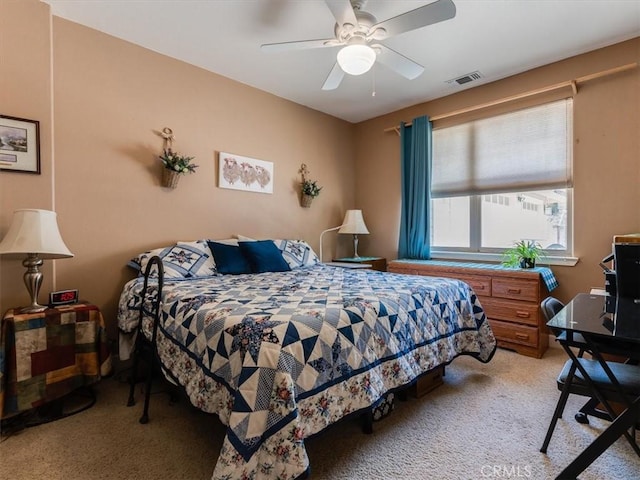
(19, 145)
(244, 173)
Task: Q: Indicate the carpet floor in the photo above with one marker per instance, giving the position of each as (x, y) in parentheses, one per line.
(486, 421)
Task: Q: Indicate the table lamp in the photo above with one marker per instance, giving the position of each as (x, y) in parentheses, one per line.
(34, 233)
(354, 224)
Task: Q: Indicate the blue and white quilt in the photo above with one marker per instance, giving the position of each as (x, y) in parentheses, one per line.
(280, 356)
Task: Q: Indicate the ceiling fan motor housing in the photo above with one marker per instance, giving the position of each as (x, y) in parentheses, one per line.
(346, 32)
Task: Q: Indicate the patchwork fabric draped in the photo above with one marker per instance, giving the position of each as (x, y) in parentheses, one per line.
(280, 356)
(415, 156)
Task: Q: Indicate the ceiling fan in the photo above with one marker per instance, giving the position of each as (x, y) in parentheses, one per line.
(359, 31)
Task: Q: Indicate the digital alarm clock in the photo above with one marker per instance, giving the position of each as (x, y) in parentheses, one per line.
(63, 297)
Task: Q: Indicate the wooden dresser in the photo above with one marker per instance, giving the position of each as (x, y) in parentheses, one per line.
(511, 300)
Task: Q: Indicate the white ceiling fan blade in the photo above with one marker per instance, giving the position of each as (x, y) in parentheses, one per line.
(335, 77)
(299, 45)
(342, 11)
(420, 17)
(398, 63)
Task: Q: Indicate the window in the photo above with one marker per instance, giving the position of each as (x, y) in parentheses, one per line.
(503, 179)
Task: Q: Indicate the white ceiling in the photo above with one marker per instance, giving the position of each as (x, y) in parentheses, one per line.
(498, 38)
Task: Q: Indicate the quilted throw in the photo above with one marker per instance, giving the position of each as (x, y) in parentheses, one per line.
(280, 356)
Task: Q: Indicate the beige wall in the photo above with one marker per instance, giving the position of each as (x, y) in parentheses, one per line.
(606, 157)
(109, 96)
(100, 99)
(25, 92)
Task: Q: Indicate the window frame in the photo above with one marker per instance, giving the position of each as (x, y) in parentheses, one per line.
(476, 252)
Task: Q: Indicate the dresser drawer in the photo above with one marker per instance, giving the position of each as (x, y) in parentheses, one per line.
(516, 288)
(510, 332)
(480, 285)
(511, 311)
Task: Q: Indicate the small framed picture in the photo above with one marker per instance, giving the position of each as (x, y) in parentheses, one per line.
(19, 145)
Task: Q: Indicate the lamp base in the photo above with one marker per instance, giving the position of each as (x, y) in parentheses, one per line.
(355, 246)
(33, 280)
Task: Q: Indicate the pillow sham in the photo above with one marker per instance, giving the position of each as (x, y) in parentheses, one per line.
(264, 256)
(229, 259)
(297, 253)
(182, 260)
(206, 265)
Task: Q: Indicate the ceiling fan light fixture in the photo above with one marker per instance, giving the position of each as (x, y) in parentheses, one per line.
(356, 59)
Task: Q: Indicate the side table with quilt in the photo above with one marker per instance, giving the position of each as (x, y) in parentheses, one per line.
(46, 355)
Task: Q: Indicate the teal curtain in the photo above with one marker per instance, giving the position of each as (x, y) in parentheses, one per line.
(415, 158)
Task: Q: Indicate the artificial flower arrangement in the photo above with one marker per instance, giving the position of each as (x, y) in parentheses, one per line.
(177, 163)
(311, 188)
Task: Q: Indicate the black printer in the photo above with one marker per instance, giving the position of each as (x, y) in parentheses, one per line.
(624, 279)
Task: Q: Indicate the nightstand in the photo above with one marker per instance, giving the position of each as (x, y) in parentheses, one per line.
(377, 263)
(49, 354)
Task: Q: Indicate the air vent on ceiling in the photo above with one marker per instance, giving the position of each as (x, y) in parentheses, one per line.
(469, 77)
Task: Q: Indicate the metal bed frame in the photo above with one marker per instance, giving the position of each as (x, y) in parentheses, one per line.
(142, 345)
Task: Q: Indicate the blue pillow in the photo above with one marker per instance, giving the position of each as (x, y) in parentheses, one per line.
(229, 258)
(264, 256)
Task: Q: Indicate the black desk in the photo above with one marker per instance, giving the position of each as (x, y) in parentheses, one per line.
(615, 324)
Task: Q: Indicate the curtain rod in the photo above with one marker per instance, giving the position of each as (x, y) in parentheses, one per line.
(569, 83)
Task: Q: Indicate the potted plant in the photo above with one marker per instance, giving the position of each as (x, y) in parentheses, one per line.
(310, 188)
(174, 166)
(523, 254)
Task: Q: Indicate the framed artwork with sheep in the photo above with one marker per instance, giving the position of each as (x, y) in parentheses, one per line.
(244, 173)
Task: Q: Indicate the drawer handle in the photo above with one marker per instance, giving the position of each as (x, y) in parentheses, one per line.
(522, 336)
(520, 314)
(514, 290)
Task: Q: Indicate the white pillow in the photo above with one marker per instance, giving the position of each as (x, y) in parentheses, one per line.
(242, 238)
(226, 241)
(182, 260)
(297, 253)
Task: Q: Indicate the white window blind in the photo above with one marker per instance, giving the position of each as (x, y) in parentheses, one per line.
(520, 151)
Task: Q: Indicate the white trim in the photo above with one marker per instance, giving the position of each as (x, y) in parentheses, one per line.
(497, 258)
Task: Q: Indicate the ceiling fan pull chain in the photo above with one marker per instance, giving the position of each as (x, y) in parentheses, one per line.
(373, 77)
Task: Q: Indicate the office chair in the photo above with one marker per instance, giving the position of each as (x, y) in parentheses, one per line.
(551, 306)
(571, 381)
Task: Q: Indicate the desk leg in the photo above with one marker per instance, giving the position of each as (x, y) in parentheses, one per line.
(620, 425)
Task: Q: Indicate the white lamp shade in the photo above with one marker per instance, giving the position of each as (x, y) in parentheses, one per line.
(34, 231)
(353, 223)
(356, 59)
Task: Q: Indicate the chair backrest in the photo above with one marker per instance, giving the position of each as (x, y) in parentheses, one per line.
(550, 306)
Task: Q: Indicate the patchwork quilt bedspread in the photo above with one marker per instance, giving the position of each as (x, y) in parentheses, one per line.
(280, 356)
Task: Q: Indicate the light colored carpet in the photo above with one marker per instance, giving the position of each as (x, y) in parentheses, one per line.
(487, 421)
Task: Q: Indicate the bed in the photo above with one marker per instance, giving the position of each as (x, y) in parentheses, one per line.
(281, 355)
